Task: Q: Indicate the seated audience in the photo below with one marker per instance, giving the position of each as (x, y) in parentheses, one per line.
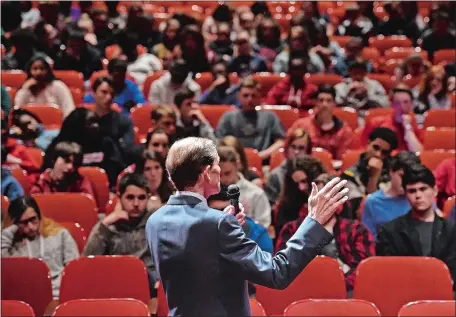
(421, 232)
(122, 232)
(28, 130)
(16, 153)
(353, 50)
(389, 203)
(64, 175)
(191, 120)
(252, 197)
(252, 229)
(42, 87)
(10, 186)
(78, 55)
(221, 91)
(34, 236)
(358, 91)
(399, 22)
(402, 122)
(158, 141)
(324, 128)
(165, 118)
(292, 204)
(352, 242)
(222, 47)
(268, 42)
(24, 42)
(433, 92)
(439, 36)
(293, 90)
(178, 78)
(139, 65)
(261, 130)
(445, 179)
(414, 65)
(372, 167)
(245, 61)
(242, 163)
(297, 144)
(192, 49)
(164, 50)
(355, 23)
(299, 44)
(127, 93)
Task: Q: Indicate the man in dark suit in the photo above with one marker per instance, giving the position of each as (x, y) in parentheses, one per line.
(203, 256)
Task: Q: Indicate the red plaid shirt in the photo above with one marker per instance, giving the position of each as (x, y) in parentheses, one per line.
(354, 243)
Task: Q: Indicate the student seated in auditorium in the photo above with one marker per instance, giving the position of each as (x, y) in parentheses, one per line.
(34, 236)
(17, 154)
(243, 166)
(191, 120)
(360, 92)
(221, 91)
(390, 202)
(402, 122)
(292, 204)
(245, 61)
(445, 179)
(421, 232)
(177, 78)
(122, 232)
(252, 197)
(165, 118)
(126, 92)
(261, 130)
(64, 175)
(158, 141)
(28, 130)
(297, 144)
(293, 90)
(152, 166)
(42, 87)
(324, 128)
(10, 186)
(352, 241)
(372, 167)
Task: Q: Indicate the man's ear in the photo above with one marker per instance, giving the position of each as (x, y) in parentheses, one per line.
(436, 191)
(206, 172)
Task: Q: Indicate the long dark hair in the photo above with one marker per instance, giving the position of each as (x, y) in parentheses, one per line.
(164, 189)
(19, 205)
(260, 37)
(50, 77)
(291, 198)
(195, 60)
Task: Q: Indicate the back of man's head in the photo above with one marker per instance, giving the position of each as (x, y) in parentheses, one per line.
(179, 71)
(386, 135)
(418, 173)
(186, 160)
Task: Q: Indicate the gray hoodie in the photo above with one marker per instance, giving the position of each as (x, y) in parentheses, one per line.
(56, 249)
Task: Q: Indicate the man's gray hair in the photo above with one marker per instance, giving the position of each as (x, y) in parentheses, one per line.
(186, 160)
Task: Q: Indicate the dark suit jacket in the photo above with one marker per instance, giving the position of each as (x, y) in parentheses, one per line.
(399, 238)
(204, 258)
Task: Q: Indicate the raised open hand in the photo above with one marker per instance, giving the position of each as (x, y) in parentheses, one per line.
(322, 204)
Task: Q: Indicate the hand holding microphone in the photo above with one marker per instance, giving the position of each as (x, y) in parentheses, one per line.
(235, 208)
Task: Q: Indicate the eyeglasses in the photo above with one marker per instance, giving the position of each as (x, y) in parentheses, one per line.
(169, 123)
(24, 222)
(139, 197)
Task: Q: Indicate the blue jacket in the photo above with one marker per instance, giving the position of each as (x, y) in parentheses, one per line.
(130, 93)
(204, 258)
(10, 186)
(258, 234)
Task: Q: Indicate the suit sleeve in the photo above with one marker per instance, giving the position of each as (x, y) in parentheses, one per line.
(261, 267)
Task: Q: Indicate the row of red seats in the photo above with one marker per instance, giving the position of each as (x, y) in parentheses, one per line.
(387, 282)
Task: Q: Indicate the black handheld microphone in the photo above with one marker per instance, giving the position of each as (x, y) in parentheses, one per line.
(233, 194)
